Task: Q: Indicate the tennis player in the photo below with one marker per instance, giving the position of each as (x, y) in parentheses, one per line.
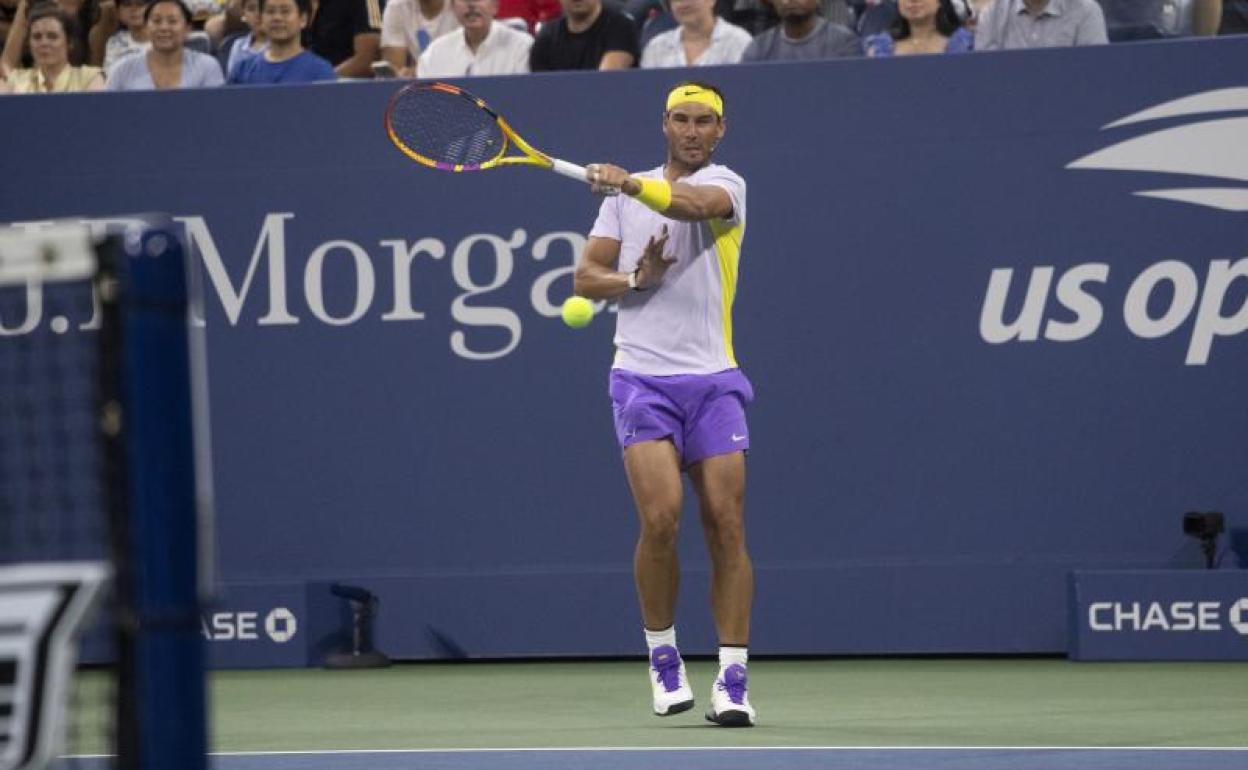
(667, 250)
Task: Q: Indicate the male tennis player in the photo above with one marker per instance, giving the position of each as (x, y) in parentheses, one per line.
(667, 250)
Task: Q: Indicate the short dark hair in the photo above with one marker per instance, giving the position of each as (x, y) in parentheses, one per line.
(947, 22)
(304, 6)
(51, 11)
(186, 12)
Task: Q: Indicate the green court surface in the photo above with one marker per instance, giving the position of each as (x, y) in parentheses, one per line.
(839, 702)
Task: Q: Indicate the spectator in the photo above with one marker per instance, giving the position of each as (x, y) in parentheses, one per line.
(51, 31)
(588, 37)
(880, 15)
(482, 47)
(702, 39)
(753, 16)
(1040, 24)
(533, 13)
(348, 34)
(222, 26)
(803, 35)
(131, 38)
(89, 40)
(169, 63)
(1153, 19)
(409, 26)
(922, 26)
(242, 46)
(285, 60)
(1234, 17)
(84, 15)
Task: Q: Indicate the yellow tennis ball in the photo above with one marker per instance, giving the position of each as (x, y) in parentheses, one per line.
(577, 312)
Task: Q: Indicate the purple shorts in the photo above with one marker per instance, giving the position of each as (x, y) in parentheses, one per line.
(702, 414)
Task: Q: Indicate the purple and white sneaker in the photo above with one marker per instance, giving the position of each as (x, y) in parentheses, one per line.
(730, 703)
(672, 693)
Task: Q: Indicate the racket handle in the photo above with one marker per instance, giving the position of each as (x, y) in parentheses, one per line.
(570, 170)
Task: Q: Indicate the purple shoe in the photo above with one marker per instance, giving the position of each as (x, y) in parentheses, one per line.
(672, 693)
(730, 703)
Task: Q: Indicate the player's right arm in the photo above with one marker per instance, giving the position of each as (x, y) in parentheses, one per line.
(674, 200)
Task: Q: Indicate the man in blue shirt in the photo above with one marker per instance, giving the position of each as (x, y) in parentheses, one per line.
(285, 61)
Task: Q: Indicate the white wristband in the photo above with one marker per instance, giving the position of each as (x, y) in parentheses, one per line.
(632, 281)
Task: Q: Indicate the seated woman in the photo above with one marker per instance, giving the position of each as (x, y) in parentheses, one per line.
(169, 63)
(84, 15)
(702, 39)
(922, 26)
(49, 33)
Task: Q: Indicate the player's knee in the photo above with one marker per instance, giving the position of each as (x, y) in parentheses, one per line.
(724, 533)
(660, 527)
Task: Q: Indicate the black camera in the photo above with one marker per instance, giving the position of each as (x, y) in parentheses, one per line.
(1206, 526)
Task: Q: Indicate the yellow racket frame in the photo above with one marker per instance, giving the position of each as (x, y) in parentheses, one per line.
(531, 157)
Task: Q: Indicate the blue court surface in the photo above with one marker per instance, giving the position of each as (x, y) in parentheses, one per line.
(772, 758)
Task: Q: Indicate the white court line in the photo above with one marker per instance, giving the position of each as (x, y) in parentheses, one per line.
(531, 749)
(738, 748)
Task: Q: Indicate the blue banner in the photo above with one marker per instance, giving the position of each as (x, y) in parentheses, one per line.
(994, 308)
(1159, 615)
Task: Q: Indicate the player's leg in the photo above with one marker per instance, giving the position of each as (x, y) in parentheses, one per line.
(715, 445)
(653, 469)
(650, 430)
(720, 485)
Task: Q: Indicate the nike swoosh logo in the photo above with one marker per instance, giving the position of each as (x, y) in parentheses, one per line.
(735, 437)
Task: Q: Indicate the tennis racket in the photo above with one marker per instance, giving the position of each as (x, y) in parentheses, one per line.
(444, 127)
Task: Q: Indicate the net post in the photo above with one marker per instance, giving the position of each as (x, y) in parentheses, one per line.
(153, 396)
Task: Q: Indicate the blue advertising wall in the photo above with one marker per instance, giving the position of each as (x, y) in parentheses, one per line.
(996, 335)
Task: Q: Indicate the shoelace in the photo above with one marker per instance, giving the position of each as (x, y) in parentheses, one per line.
(733, 682)
(667, 672)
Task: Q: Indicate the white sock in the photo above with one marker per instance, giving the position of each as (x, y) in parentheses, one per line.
(659, 638)
(730, 655)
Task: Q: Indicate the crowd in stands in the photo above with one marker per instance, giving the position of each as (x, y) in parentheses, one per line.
(121, 45)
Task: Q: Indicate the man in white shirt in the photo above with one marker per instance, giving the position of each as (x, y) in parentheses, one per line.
(483, 47)
(702, 39)
(409, 26)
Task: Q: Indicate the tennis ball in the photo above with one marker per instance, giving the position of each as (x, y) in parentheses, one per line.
(577, 312)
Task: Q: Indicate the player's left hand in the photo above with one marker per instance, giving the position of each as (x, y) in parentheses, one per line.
(654, 261)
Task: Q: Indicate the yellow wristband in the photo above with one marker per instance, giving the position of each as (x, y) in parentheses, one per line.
(655, 193)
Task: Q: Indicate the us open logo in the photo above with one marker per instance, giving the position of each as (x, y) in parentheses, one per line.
(280, 624)
(1202, 147)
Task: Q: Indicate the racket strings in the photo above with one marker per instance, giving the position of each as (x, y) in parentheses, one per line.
(446, 128)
